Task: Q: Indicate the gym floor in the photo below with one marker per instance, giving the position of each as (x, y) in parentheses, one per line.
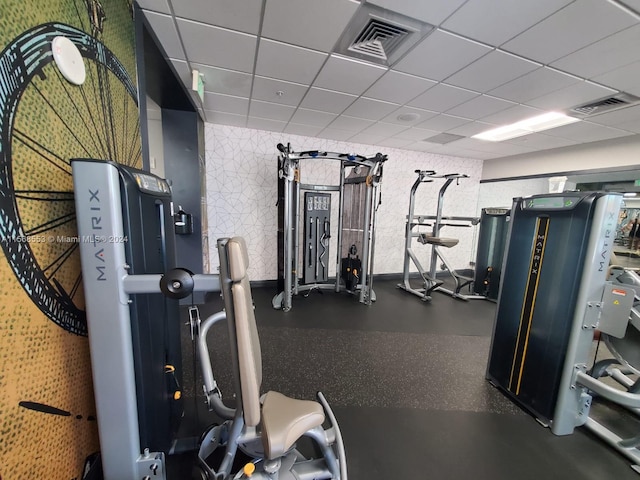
(406, 381)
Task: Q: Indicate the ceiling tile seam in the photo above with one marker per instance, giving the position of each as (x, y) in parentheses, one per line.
(184, 51)
(358, 97)
(311, 85)
(453, 13)
(625, 8)
(255, 57)
(230, 30)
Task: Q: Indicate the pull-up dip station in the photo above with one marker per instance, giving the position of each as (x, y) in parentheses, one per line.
(358, 191)
(437, 222)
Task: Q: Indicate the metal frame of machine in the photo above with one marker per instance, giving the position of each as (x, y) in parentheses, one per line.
(351, 177)
(109, 291)
(437, 222)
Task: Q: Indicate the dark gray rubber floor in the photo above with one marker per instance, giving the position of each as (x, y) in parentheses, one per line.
(406, 381)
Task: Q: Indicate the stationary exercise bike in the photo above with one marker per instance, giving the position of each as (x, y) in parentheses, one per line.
(263, 427)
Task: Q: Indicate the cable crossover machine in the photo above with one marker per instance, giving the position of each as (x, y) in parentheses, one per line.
(303, 250)
(415, 229)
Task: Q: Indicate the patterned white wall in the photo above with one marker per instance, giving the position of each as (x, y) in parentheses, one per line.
(242, 185)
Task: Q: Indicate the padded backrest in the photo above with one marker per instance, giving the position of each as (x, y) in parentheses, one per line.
(248, 343)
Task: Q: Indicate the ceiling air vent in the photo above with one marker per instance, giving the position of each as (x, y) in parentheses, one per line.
(603, 105)
(380, 36)
(379, 39)
(443, 138)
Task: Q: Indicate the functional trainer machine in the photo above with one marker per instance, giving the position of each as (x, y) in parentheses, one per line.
(131, 289)
(415, 229)
(554, 296)
(358, 194)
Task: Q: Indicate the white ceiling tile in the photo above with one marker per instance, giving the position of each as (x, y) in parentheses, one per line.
(304, 116)
(272, 111)
(398, 87)
(618, 117)
(226, 118)
(220, 80)
(384, 130)
(306, 130)
(492, 147)
(630, 126)
(288, 62)
(217, 46)
(226, 103)
(416, 134)
(541, 141)
(442, 97)
(501, 19)
(182, 71)
(243, 15)
(479, 107)
(366, 139)
(348, 76)
(471, 128)
(534, 85)
(307, 23)
(512, 115)
(421, 116)
(575, 26)
(604, 56)
(571, 96)
(267, 89)
(439, 55)
(265, 124)
(586, 132)
(442, 123)
(433, 11)
(623, 78)
(343, 122)
(395, 142)
(164, 28)
(155, 5)
(370, 109)
(494, 69)
(327, 100)
(425, 147)
(335, 134)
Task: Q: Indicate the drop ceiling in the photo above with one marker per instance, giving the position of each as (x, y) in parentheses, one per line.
(271, 64)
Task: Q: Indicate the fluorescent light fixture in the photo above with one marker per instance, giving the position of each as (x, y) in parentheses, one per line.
(538, 123)
(629, 194)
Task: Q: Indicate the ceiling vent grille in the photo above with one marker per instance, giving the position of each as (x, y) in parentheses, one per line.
(379, 39)
(443, 138)
(603, 105)
(380, 36)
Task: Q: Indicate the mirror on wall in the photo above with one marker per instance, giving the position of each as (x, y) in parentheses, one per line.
(627, 182)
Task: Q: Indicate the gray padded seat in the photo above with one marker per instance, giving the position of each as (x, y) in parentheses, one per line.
(283, 420)
(438, 241)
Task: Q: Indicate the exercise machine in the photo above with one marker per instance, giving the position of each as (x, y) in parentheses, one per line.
(264, 428)
(492, 237)
(303, 253)
(554, 296)
(125, 227)
(415, 229)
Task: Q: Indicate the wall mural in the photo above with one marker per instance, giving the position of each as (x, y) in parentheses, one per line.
(47, 423)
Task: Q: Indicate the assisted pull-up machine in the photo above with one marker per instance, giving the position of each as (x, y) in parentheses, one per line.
(437, 222)
(358, 191)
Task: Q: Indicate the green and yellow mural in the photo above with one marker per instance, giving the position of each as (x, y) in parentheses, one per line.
(47, 413)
